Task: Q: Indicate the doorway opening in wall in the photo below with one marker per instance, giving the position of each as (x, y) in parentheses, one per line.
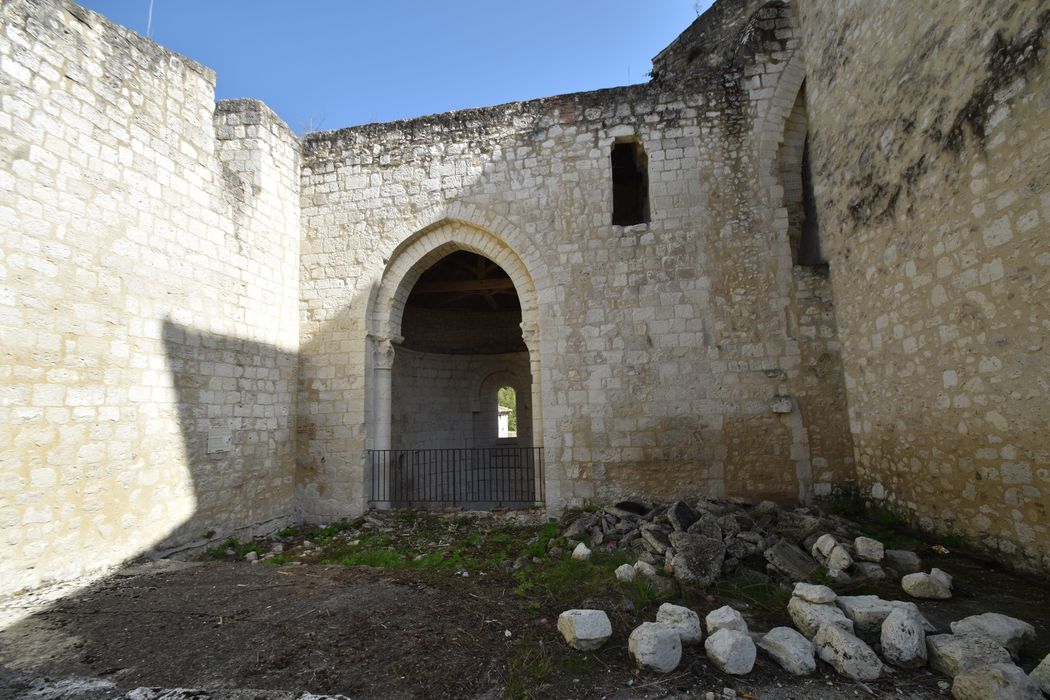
(461, 418)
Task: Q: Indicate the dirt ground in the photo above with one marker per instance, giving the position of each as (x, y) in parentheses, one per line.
(367, 632)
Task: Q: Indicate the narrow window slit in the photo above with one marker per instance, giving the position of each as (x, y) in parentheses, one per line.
(630, 175)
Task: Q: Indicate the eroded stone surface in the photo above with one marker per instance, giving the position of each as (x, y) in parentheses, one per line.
(585, 630)
(655, 646)
(809, 617)
(952, 654)
(682, 619)
(731, 650)
(998, 681)
(724, 617)
(1007, 631)
(790, 649)
(903, 639)
(850, 656)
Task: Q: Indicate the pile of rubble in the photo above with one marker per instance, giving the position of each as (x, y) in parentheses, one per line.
(860, 636)
(699, 543)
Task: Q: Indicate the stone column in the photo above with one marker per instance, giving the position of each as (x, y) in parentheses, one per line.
(383, 356)
(530, 333)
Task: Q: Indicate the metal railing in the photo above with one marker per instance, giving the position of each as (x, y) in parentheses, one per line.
(484, 477)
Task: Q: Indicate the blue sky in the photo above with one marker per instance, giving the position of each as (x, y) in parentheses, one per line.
(333, 63)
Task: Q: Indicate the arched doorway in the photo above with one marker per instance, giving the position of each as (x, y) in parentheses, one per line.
(454, 328)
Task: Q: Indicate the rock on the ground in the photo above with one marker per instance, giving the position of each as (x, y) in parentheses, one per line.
(998, 681)
(839, 559)
(725, 618)
(582, 552)
(790, 649)
(655, 646)
(732, 651)
(1041, 675)
(681, 516)
(251, 556)
(697, 559)
(923, 585)
(791, 561)
(645, 568)
(706, 525)
(868, 549)
(625, 573)
(1009, 632)
(809, 617)
(869, 611)
(814, 593)
(686, 621)
(823, 547)
(847, 654)
(952, 654)
(903, 639)
(868, 570)
(585, 630)
(902, 561)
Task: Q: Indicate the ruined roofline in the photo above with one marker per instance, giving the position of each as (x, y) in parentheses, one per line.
(492, 114)
(250, 105)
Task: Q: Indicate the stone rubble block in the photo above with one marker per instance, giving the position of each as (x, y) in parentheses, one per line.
(644, 568)
(809, 617)
(698, 559)
(1041, 675)
(1009, 632)
(869, 611)
(686, 621)
(725, 617)
(791, 561)
(681, 516)
(998, 681)
(823, 547)
(655, 646)
(814, 593)
(581, 553)
(869, 550)
(847, 654)
(625, 573)
(585, 630)
(732, 651)
(902, 562)
(952, 654)
(930, 586)
(790, 649)
(869, 571)
(903, 639)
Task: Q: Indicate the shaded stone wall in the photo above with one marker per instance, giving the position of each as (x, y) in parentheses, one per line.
(928, 130)
(447, 401)
(148, 291)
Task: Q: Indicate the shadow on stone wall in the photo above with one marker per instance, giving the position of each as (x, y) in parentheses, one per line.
(235, 401)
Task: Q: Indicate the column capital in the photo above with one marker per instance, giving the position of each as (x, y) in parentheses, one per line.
(383, 353)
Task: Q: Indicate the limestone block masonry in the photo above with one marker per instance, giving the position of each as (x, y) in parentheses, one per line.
(201, 313)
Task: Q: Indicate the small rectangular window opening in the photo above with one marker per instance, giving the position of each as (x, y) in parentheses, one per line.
(630, 175)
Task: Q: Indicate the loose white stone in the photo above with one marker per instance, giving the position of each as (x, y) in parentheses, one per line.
(923, 585)
(686, 621)
(724, 618)
(585, 630)
(645, 568)
(998, 681)
(952, 654)
(1009, 632)
(821, 549)
(868, 549)
(869, 611)
(655, 646)
(790, 649)
(809, 617)
(941, 577)
(625, 573)
(902, 561)
(839, 559)
(903, 639)
(731, 650)
(848, 655)
(814, 593)
(1041, 675)
(868, 570)
(251, 556)
(581, 553)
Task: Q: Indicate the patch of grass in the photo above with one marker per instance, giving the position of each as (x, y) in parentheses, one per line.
(278, 560)
(327, 532)
(533, 667)
(768, 598)
(290, 531)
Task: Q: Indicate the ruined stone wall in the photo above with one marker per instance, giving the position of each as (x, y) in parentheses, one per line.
(147, 297)
(929, 133)
(448, 401)
(661, 349)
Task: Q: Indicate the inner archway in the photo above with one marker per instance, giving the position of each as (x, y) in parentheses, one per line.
(461, 331)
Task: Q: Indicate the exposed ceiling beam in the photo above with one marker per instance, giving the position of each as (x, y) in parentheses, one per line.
(489, 285)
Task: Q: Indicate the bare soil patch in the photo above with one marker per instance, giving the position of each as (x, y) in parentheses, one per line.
(417, 628)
